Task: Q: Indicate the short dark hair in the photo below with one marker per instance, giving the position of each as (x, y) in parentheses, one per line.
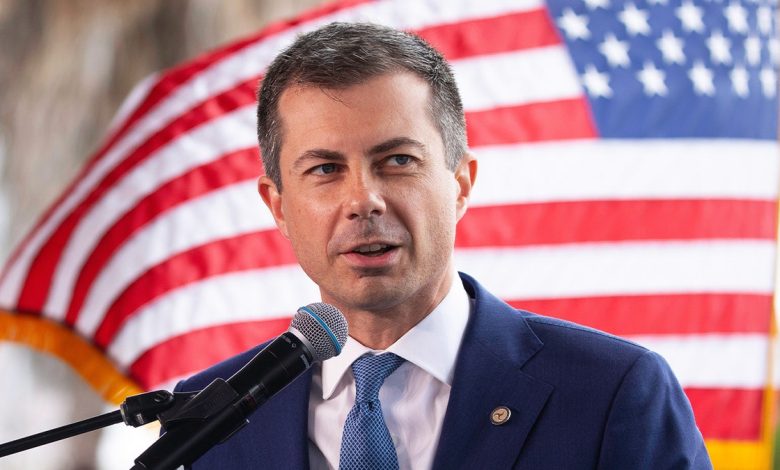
(340, 55)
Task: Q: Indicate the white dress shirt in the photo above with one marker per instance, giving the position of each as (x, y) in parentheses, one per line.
(414, 397)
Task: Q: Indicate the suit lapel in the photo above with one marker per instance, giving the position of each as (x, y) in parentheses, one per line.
(488, 375)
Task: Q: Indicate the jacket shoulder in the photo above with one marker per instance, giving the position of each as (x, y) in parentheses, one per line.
(221, 370)
(561, 333)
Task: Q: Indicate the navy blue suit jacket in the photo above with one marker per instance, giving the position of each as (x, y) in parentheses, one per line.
(579, 398)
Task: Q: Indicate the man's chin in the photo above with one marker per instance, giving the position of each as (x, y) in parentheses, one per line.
(372, 296)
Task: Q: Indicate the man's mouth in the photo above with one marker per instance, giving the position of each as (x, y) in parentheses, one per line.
(374, 249)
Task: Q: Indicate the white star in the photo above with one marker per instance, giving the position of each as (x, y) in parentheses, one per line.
(764, 15)
(615, 51)
(753, 50)
(739, 81)
(635, 20)
(653, 80)
(774, 50)
(691, 17)
(593, 4)
(768, 79)
(576, 26)
(720, 48)
(671, 47)
(596, 82)
(737, 17)
(702, 77)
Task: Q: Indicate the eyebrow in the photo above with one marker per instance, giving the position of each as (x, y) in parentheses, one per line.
(396, 142)
(334, 156)
(318, 154)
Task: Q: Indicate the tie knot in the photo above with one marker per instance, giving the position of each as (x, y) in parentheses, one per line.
(370, 373)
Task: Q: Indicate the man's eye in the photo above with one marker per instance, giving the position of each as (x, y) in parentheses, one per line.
(324, 169)
(400, 160)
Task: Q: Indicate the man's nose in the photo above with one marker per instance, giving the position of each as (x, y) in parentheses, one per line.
(364, 198)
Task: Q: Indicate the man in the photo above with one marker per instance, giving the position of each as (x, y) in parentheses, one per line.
(362, 134)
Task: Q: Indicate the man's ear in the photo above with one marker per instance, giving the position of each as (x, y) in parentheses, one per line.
(273, 199)
(465, 175)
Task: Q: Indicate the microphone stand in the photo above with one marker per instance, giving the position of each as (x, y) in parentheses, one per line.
(194, 422)
(135, 411)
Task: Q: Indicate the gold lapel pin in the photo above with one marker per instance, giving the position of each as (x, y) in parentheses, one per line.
(500, 415)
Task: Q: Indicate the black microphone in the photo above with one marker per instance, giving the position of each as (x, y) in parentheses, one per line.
(317, 332)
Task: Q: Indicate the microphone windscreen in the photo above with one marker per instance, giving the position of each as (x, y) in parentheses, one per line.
(324, 327)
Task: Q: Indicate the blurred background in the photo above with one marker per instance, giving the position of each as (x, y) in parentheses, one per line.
(65, 68)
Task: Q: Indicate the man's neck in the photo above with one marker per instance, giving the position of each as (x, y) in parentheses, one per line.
(378, 329)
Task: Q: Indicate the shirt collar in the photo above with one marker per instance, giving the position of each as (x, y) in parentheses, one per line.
(431, 345)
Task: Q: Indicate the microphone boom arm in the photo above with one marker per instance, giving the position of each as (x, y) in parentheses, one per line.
(135, 411)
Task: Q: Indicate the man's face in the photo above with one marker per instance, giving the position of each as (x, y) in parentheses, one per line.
(368, 201)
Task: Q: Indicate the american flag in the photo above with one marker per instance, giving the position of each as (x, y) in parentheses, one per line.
(628, 181)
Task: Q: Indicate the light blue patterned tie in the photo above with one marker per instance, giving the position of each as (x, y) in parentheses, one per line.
(366, 443)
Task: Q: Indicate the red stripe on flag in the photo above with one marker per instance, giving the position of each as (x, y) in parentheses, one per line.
(258, 250)
(595, 221)
(511, 32)
(534, 122)
(742, 406)
(36, 285)
(661, 314)
(232, 168)
(184, 355)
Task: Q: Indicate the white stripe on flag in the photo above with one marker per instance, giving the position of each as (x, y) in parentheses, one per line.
(207, 143)
(713, 360)
(414, 14)
(542, 74)
(247, 295)
(227, 212)
(601, 269)
(627, 169)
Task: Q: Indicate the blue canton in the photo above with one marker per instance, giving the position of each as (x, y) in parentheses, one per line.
(675, 69)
